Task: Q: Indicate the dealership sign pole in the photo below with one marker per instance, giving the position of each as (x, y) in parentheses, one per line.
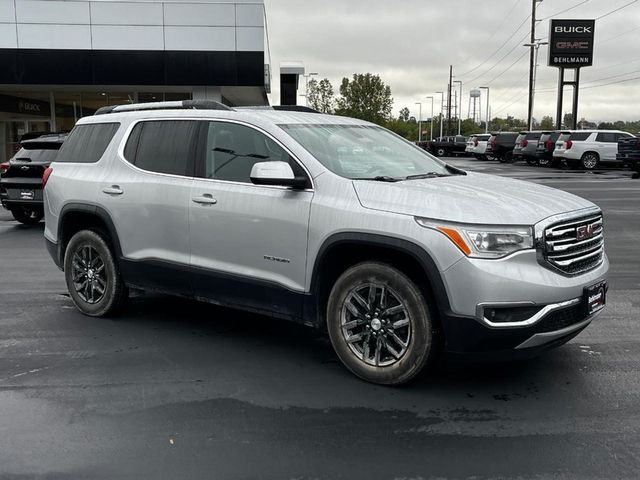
(571, 47)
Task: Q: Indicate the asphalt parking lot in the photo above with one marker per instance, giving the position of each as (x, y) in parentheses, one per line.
(177, 389)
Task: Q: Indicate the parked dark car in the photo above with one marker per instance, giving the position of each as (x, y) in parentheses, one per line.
(526, 146)
(629, 152)
(21, 180)
(502, 145)
(453, 145)
(545, 148)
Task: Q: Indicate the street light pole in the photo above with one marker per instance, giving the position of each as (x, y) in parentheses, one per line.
(431, 134)
(419, 122)
(460, 106)
(306, 86)
(441, 111)
(486, 123)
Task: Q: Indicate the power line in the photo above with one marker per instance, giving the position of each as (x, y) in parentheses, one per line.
(618, 36)
(498, 49)
(617, 9)
(508, 68)
(565, 10)
(501, 59)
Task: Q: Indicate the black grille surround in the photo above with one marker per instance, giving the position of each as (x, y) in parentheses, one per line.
(574, 246)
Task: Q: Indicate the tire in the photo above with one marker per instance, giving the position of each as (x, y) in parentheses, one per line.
(88, 256)
(508, 157)
(532, 161)
(544, 162)
(385, 360)
(441, 152)
(590, 160)
(27, 216)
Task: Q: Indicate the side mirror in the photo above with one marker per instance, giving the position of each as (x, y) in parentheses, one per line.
(276, 173)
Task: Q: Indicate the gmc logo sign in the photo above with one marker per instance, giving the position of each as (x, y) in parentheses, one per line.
(573, 45)
(585, 231)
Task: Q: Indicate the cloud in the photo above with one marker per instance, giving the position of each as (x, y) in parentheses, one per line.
(411, 44)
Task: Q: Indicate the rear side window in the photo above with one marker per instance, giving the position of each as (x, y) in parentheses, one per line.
(607, 137)
(87, 143)
(580, 136)
(164, 146)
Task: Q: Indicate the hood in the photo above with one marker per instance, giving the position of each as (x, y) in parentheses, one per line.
(472, 198)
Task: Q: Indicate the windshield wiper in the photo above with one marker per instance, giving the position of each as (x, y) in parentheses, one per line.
(381, 178)
(427, 175)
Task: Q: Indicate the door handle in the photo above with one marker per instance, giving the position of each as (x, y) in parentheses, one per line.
(113, 190)
(205, 199)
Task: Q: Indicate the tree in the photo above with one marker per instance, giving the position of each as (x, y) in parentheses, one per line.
(567, 120)
(547, 123)
(365, 97)
(404, 115)
(320, 95)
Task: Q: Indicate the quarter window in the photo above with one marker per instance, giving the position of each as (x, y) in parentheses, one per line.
(606, 137)
(232, 150)
(87, 143)
(163, 146)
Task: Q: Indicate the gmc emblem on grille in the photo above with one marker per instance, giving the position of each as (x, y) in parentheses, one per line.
(585, 231)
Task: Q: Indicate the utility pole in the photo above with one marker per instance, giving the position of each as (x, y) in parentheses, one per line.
(486, 124)
(419, 122)
(431, 122)
(449, 99)
(459, 109)
(441, 111)
(534, 4)
(536, 46)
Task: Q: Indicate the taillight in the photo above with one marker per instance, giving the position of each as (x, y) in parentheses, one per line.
(4, 167)
(475, 144)
(45, 176)
(525, 142)
(494, 144)
(550, 145)
(568, 145)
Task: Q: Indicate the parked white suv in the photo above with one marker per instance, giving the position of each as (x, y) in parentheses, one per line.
(588, 148)
(325, 220)
(477, 145)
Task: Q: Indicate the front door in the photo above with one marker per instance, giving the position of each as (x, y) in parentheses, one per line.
(248, 242)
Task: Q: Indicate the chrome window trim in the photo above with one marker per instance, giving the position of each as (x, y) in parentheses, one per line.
(543, 312)
(131, 126)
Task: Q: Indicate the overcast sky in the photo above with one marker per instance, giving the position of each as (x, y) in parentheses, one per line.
(411, 43)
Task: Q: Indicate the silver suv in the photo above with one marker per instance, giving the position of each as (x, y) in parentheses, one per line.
(325, 220)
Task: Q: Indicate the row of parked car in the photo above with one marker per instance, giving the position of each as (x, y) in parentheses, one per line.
(576, 148)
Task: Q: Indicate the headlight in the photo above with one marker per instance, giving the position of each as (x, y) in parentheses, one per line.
(484, 242)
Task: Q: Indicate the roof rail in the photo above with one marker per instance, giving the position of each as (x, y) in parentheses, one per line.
(177, 105)
(295, 108)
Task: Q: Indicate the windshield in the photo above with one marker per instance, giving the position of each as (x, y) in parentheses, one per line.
(365, 152)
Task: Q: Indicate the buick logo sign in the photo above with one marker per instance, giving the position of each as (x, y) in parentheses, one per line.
(585, 231)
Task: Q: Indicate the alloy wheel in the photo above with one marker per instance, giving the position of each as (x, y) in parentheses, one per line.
(88, 273)
(375, 324)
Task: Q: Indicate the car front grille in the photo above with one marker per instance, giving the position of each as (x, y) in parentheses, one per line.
(575, 246)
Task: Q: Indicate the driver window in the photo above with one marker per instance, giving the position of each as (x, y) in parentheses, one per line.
(232, 150)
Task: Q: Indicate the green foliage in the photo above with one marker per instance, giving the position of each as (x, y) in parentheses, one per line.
(547, 123)
(320, 95)
(404, 115)
(366, 97)
(408, 130)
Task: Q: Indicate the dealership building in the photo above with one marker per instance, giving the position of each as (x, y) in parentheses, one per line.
(63, 59)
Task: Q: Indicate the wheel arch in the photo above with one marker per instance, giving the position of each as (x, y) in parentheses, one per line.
(342, 250)
(80, 216)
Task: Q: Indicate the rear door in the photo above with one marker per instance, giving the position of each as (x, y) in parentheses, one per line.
(248, 242)
(147, 196)
(607, 145)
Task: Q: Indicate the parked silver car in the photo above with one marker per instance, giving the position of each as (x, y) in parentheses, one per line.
(326, 220)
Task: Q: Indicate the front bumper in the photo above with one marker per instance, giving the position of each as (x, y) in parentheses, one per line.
(516, 280)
